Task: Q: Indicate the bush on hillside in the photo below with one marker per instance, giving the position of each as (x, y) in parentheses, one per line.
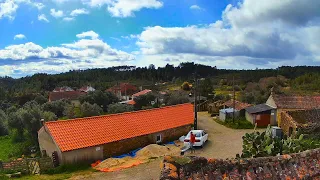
(119, 108)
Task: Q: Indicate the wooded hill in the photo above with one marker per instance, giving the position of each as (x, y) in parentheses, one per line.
(301, 78)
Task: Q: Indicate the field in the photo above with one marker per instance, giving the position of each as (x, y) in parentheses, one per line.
(8, 148)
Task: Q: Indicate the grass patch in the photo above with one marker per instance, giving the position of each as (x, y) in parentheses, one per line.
(67, 168)
(62, 172)
(9, 149)
(239, 123)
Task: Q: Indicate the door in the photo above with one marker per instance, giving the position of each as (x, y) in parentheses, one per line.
(205, 136)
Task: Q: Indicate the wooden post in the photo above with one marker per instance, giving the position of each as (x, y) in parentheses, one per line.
(195, 125)
(234, 101)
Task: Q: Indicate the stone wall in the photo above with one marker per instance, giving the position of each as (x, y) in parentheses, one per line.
(287, 123)
(125, 146)
(20, 165)
(25, 165)
(303, 165)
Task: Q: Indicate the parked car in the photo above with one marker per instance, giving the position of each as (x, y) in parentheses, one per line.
(201, 138)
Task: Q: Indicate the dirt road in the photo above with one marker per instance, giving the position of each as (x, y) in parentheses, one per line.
(223, 143)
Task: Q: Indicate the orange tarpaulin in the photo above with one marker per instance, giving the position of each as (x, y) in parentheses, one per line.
(95, 164)
(117, 168)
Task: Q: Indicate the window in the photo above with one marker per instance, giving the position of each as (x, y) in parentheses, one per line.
(258, 117)
(159, 139)
(204, 133)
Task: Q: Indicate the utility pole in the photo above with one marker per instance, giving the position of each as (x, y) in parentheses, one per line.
(195, 125)
(125, 91)
(234, 100)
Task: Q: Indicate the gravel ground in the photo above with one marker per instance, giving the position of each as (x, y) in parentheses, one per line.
(223, 143)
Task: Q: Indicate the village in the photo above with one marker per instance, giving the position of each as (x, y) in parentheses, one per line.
(148, 130)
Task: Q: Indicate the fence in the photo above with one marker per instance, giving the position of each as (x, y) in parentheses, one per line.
(27, 165)
(203, 106)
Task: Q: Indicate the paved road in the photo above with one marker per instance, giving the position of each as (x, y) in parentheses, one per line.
(223, 143)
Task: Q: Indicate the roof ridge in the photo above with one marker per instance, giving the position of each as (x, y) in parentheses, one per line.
(108, 115)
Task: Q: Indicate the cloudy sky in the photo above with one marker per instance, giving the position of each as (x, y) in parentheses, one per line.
(55, 36)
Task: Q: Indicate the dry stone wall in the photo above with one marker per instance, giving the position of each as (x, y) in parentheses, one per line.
(305, 165)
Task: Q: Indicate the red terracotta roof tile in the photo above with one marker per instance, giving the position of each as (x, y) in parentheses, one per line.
(238, 105)
(131, 102)
(125, 88)
(93, 131)
(71, 95)
(144, 92)
(297, 102)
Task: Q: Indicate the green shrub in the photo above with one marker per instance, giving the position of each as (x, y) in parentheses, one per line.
(67, 168)
(257, 144)
(239, 123)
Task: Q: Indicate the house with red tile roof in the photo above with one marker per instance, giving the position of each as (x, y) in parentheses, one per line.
(282, 103)
(95, 138)
(62, 89)
(238, 105)
(68, 95)
(87, 89)
(123, 90)
(140, 93)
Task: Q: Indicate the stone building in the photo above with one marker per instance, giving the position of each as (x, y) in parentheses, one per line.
(95, 138)
(308, 121)
(282, 103)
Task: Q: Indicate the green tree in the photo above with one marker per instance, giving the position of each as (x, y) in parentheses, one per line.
(41, 99)
(206, 87)
(103, 99)
(88, 110)
(57, 107)
(185, 86)
(69, 112)
(143, 100)
(119, 108)
(176, 98)
(49, 116)
(27, 120)
(3, 123)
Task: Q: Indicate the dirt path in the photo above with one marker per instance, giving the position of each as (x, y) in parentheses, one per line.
(223, 143)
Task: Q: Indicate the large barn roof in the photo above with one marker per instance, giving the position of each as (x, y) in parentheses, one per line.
(297, 102)
(92, 131)
(71, 95)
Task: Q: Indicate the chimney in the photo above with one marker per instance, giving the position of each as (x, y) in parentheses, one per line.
(42, 122)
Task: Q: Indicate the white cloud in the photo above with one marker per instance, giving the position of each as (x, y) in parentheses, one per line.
(39, 5)
(43, 17)
(30, 58)
(255, 33)
(68, 19)
(117, 39)
(131, 36)
(253, 12)
(196, 7)
(125, 8)
(77, 12)
(8, 9)
(56, 14)
(90, 34)
(19, 36)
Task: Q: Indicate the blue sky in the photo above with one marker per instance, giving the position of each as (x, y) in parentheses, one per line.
(55, 36)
